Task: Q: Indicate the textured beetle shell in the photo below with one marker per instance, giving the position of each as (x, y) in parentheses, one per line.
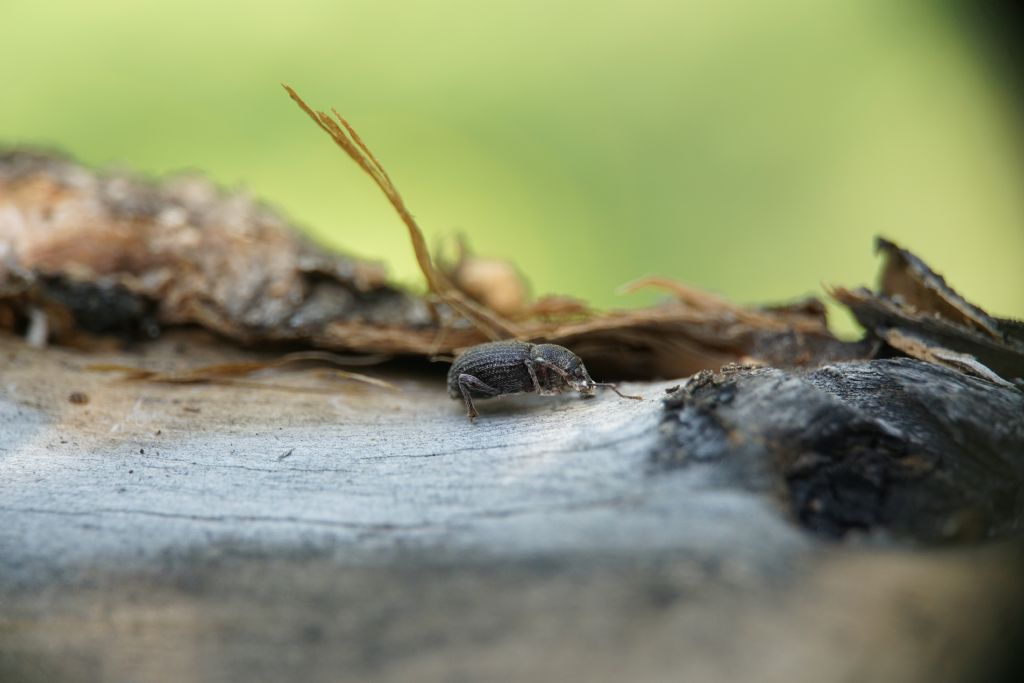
(501, 365)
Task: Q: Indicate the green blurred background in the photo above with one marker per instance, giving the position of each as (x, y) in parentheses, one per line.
(753, 149)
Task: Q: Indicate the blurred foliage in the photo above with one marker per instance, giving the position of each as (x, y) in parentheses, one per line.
(750, 148)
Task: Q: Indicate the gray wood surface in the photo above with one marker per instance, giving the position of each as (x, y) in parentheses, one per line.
(348, 532)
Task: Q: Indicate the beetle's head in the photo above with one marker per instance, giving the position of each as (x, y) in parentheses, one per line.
(570, 369)
(562, 368)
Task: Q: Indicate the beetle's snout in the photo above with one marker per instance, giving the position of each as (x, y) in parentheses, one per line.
(584, 385)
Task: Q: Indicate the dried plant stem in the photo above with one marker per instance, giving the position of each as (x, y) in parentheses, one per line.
(344, 135)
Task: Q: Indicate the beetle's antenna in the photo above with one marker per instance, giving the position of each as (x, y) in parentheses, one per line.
(616, 390)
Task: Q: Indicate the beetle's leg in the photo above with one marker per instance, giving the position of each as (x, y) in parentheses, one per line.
(554, 368)
(531, 367)
(468, 382)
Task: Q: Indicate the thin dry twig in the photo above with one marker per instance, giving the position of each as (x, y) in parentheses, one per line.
(699, 300)
(225, 373)
(359, 377)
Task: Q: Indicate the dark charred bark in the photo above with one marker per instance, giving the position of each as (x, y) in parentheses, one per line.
(898, 445)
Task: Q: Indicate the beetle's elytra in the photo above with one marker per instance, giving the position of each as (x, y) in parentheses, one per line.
(513, 367)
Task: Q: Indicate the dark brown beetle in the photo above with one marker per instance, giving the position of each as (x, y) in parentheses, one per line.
(513, 367)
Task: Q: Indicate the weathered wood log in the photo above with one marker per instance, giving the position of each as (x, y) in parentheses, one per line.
(326, 531)
(837, 519)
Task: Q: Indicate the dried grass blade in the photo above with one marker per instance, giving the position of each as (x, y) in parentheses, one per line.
(360, 377)
(357, 150)
(345, 136)
(334, 358)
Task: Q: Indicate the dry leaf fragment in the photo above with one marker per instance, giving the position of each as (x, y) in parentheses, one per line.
(916, 347)
(906, 276)
(920, 315)
(882, 315)
(494, 283)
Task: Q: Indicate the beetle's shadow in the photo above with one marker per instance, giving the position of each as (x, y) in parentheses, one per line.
(516, 405)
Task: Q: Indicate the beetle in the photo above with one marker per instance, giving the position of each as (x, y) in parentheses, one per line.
(513, 367)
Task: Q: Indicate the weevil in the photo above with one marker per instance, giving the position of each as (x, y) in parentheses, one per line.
(513, 367)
